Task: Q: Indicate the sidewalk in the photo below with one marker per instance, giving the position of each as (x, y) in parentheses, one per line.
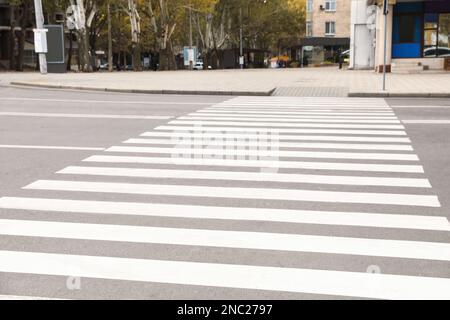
(327, 81)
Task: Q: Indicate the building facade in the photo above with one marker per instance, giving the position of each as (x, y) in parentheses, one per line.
(417, 35)
(327, 30)
(362, 34)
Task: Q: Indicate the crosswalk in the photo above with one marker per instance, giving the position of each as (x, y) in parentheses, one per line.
(262, 194)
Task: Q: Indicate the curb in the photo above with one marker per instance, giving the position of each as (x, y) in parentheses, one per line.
(397, 95)
(143, 91)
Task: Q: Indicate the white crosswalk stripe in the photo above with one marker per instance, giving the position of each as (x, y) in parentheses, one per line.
(307, 120)
(229, 239)
(219, 135)
(232, 176)
(191, 141)
(261, 163)
(353, 284)
(265, 130)
(294, 117)
(380, 220)
(264, 153)
(293, 125)
(249, 176)
(270, 112)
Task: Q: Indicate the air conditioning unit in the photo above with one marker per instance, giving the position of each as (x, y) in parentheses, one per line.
(59, 17)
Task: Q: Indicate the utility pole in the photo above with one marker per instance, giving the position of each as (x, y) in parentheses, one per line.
(40, 29)
(110, 52)
(241, 46)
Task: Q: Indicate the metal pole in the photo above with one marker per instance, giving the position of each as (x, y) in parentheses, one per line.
(191, 63)
(241, 46)
(385, 12)
(40, 25)
(110, 51)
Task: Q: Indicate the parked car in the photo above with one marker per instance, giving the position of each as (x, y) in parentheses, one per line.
(198, 65)
(441, 52)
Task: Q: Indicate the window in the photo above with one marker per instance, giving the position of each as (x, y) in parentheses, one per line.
(309, 6)
(330, 28)
(430, 35)
(309, 31)
(436, 35)
(444, 35)
(330, 5)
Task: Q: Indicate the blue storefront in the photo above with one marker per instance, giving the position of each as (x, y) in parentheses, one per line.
(421, 29)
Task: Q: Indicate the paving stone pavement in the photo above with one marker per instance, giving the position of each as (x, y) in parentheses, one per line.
(326, 81)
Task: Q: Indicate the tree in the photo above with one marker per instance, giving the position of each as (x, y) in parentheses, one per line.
(82, 9)
(135, 23)
(163, 16)
(210, 21)
(162, 27)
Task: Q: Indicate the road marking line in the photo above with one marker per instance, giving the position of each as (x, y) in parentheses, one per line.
(7, 146)
(305, 99)
(305, 112)
(293, 125)
(305, 108)
(282, 130)
(426, 121)
(262, 98)
(238, 193)
(425, 107)
(219, 135)
(302, 105)
(262, 141)
(339, 283)
(306, 102)
(365, 167)
(266, 153)
(377, 220)
(248, 176)
(229, 239)
(271, 116)
(323, 120)
(108, 101)
(93, 116)
(328, 103)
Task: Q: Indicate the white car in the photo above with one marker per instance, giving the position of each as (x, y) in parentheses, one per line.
(442, 52)
(198, 65)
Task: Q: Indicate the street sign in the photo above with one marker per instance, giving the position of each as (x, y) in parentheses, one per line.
(190, 55)
(40, 40)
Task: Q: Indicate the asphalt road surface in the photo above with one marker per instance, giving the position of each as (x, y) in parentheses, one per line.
(118, 196)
